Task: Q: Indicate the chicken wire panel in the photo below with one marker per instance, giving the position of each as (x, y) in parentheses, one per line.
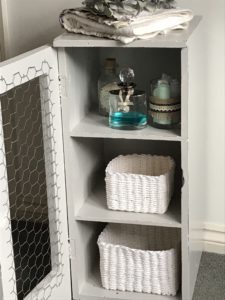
(29, 185)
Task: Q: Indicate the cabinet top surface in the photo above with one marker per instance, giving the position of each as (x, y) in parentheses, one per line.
(174, 39)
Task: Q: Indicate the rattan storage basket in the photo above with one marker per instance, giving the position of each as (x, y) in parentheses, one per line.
(140, 258)
(140, 183)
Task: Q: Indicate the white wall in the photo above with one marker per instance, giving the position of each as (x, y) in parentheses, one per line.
(1, 35)
(213, 13)
(33, 23)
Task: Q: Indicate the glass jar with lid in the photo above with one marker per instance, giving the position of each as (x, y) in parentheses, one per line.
(107, 82)
(128, 106)
(165, 105)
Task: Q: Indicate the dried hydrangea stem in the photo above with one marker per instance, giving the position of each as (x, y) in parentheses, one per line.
(111, 8)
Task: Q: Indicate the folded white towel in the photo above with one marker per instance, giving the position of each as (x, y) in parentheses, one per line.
(141, 27)
(160, 22)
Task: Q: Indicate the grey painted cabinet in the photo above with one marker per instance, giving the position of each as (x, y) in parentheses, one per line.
(89, 144)
(76, 136)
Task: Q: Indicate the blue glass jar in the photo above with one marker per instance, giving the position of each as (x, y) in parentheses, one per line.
(128, 107)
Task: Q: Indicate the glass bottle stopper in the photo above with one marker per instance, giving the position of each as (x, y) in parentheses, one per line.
(127, 76)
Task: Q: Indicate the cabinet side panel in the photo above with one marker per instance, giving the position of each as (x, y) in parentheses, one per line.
(196, 150)
(82, 157)
(62, 58)
(184, 166)
(1, 292)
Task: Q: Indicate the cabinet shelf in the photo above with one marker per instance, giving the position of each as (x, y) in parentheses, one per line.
(95, 209)
(95, 126)
(175, 39)
(93, 288)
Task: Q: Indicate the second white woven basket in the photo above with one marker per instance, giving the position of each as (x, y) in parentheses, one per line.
(140, 183)
(140, 258)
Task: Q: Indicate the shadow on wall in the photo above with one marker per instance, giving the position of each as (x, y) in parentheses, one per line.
(43, 26)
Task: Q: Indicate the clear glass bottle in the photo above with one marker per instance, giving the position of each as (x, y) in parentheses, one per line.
(107, 82)
(128, 107)
(165, 104)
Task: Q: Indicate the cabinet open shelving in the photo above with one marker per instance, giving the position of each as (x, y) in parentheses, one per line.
(95, 209)
(96, 126)
(92, 288)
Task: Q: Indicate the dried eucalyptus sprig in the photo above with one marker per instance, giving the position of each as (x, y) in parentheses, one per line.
(116, 8)
(166, 4)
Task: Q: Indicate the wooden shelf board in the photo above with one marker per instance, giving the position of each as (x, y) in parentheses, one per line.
(174, 39)
(94, 288)
(95, 209)
(95, 126)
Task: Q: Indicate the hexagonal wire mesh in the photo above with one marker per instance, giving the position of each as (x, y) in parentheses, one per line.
(31, 177)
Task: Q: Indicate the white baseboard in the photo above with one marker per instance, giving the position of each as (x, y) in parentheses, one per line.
(214, 238)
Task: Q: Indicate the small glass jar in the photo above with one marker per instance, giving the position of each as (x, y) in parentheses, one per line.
(107, 82)
(128, 107)
(165, 105)
(130, 114)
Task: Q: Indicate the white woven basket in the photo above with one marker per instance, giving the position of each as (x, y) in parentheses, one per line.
(140, 183)
(140, 259)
